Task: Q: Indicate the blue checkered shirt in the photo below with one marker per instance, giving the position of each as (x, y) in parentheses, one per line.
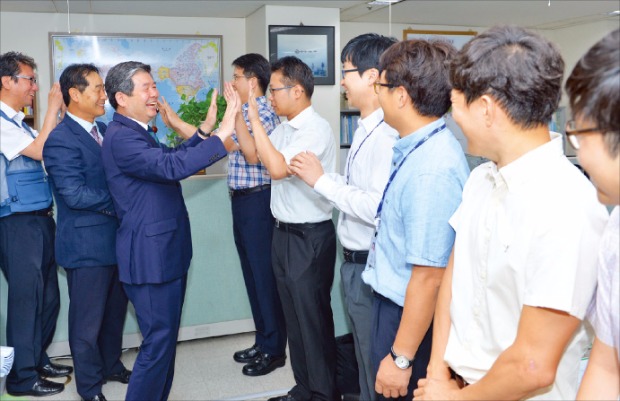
(242, 174)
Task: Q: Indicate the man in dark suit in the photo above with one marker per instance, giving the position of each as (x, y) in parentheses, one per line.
(153, 243)
(86, 233)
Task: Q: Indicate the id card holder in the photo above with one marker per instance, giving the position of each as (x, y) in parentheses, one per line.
(372, 258)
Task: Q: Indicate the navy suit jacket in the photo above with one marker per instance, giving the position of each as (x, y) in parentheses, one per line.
(87, 224)
(154, 243)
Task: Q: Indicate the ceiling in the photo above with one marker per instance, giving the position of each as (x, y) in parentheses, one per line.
(542, 14)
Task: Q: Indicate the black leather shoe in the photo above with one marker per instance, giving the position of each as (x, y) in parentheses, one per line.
(263, 365)
(41, 388)
(247, 355)
(286, 397)
(98, 397)
(122, 377)
(55, 370)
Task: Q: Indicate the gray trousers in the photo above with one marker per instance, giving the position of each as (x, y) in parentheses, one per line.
(358, 300)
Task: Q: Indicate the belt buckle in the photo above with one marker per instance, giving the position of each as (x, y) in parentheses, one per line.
(277, 223)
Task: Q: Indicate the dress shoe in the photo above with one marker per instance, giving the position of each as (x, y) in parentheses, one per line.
(247, 355)
(55, 370)
(41, 388)
(122, 377)
(286, 397)
(263, 365)
(98, 397)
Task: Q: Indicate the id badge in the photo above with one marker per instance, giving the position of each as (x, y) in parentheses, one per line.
(372, 259)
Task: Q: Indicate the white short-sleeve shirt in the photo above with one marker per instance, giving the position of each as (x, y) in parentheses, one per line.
(605, 314)
(524, 236)
(292, 200)
(13, 138)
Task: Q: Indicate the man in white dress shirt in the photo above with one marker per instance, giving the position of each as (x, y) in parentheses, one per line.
(508, 322)
(357, 193)
(304, 239)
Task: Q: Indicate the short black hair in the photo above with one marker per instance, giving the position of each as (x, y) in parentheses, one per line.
(74, 76)
(421, 67)
(119, 79)
(255, 65)
(363, 51)
(295, 72)
(594, 89)
(518, 68)
(10, 64)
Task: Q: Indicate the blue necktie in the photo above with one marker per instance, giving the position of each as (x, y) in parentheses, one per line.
(152, 134)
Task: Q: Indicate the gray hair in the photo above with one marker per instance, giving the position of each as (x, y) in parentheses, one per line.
(119, 79)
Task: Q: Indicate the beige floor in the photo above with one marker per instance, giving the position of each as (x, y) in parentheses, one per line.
(204, 370)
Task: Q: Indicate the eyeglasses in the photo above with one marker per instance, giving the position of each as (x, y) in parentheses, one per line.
(272, 89)
(33, 80)
(572, 133)
(377, 85)
(344, 72)
(235, 77)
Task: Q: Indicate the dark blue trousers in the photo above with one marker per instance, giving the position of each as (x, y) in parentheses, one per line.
(252, 229)
(97, 310)
(28, 264)
(158, 310)
(386, 319)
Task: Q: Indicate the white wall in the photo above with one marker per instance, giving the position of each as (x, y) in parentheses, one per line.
(29, 34)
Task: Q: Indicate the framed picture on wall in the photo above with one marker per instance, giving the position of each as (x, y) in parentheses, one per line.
(457, 38)
(184, 67)
(314, 45)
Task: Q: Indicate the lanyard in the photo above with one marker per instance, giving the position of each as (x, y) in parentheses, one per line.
(351, 158)
(426, 138)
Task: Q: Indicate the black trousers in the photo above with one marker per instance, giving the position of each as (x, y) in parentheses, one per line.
(28, 264)
(303, 263)
(97, 310)
(253, 230)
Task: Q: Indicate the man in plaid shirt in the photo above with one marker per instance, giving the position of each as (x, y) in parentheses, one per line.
(249, 185)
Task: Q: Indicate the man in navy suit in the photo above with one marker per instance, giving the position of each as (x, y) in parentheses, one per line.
(86, 233)
(153, 243)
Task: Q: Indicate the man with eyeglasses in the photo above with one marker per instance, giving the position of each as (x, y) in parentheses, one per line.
(357, 193)
(412, 239)
(249, 186)
(594, 93)
(304, 239)
(508, 323)
(27, 231)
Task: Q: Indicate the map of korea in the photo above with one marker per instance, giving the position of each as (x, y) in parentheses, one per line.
(187, 72)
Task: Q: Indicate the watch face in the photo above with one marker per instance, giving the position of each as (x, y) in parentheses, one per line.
(401, 362)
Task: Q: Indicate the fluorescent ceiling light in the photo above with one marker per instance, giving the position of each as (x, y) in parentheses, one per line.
(614, 13)
(383, 2)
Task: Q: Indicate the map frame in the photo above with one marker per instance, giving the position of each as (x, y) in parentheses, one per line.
(178, 41)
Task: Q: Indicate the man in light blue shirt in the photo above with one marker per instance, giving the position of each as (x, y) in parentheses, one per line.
(413, 239)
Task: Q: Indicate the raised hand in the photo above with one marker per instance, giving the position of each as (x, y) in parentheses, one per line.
(252, 107)
(208, 124)
(54, 99)
(233, 106)
(169, 117)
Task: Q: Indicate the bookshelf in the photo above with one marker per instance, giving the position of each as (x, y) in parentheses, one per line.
(348, 124)
(31, 114)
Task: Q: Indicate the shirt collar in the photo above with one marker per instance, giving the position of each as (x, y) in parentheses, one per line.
(143, 125)
(404, 144)
(521, 170)
(372, 120)
(83, 123)
(261, 100)
(301, 118)
(12, 114)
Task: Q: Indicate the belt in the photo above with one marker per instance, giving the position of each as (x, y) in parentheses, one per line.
(49, 212)
(246, 191)
(459, 379)
(358, 257)
(299, 229)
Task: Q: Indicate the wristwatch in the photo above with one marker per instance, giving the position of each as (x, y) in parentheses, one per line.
(401, 361)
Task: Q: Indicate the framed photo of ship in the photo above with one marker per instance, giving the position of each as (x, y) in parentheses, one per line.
(314, 45)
